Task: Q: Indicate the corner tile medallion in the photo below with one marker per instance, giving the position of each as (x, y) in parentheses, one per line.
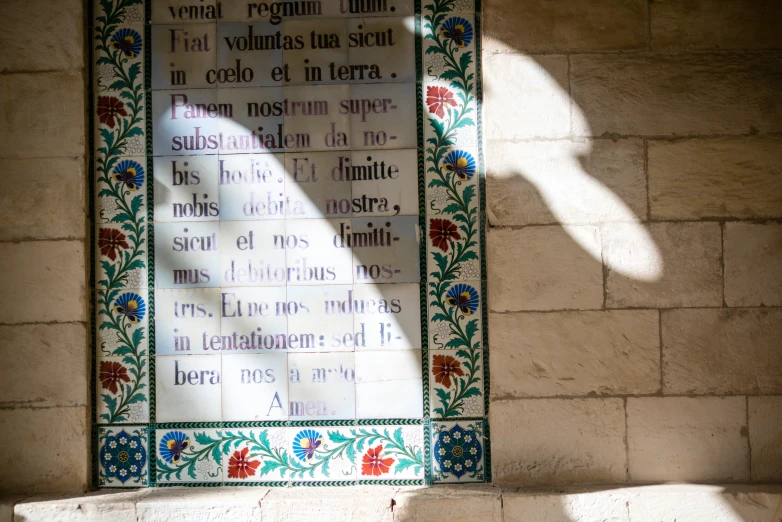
(289, 274)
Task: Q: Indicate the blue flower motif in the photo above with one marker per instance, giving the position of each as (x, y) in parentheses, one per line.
(305, 443)
(123, 456)
(463, 296)
(131, 306)
(458, 451)
(460, 163)
(172, 445)
(127, 41)
(130, 173)
(457, 29)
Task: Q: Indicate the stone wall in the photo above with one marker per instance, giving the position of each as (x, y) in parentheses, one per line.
(44, 377)
(634, 195)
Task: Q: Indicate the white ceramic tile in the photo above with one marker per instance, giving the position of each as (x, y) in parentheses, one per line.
(124, 183)
(321, 255)
(253, 253)
(383, 48)
(314, 118)
(119, 321)
(114, 242)
(255, 387)
(185, 11)
(389, 384)
(316, 186)
(254, 320)
(323, 56)
(445, 104)
(455, 184)
(391, 251)
(256, 120)
(313, 449)
(121, 397)
(390, 452)
(456, 383)
(321, 386)
(188, 388)
(252, 187)
(114, 112)
(247, 55)
(357, 8)
(186, 121)
(186, 189)
(385, 183)
(187, 255)
(455, 315)
(185, 455)
(184, 56)
(126, 45)
(245, 460)
(321, 318)
(389, 315)
(187, 321)
(454, 36)
(383, 116)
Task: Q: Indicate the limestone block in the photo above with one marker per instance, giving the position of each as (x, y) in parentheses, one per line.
(564, 181)
(42, 198)
(565, 506)
(44, 365)
(691, 503)
(462, 503)
(38, 120)
(44, 451)
(753, 263)
(558, 441)
(725, 177)
(765, 438)
(525, 97)
(716, 24)
(330, 504)
(688, 272)
(24, 50)
(722, 351)
(544, 268)
(204, 505)
(580, 25)
(574, 353)
(102, 506)
(687, 439)
(677, 94)
(47, 280)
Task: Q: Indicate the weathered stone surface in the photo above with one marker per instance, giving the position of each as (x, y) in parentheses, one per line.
(689, 273)
(204, 505)
(765, 438)
(543, 268)
(574, 353)
(687, 439)
(565, 506)
(44, 365)
(540, 105)
(753, 263)
(103, 506)
(722, 351)
(462, 503)
(701, 93)
(47, 280)
(564, 181)
(726, 177)
(37, 120)
(7, 506)
(24, 50)
(558, 441)
(42, 198)
(716, 24)
(575, 25)
(44, 451)
(330, 504)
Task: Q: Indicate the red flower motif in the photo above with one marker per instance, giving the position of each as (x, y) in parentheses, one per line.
(441, 231)
(109, 108)
(437, 98)
(240, 466)
(110, 240)
(444, 367)
(111, 373)
(374, 464)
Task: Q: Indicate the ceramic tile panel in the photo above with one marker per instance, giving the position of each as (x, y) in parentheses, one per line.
(289, 280)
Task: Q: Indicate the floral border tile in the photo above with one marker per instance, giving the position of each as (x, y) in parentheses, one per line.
(458, 451)
(456, 383)
(255, 455)
(124, 191)
(119, 55)
(188, 455)
(324, 454)
(389, 452)
(122, 389)
(455, 314)
(123, 456)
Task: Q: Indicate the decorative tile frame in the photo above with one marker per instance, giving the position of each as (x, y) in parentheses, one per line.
(449, 443)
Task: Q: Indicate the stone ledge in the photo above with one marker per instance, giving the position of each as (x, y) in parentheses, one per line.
(693, 503)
